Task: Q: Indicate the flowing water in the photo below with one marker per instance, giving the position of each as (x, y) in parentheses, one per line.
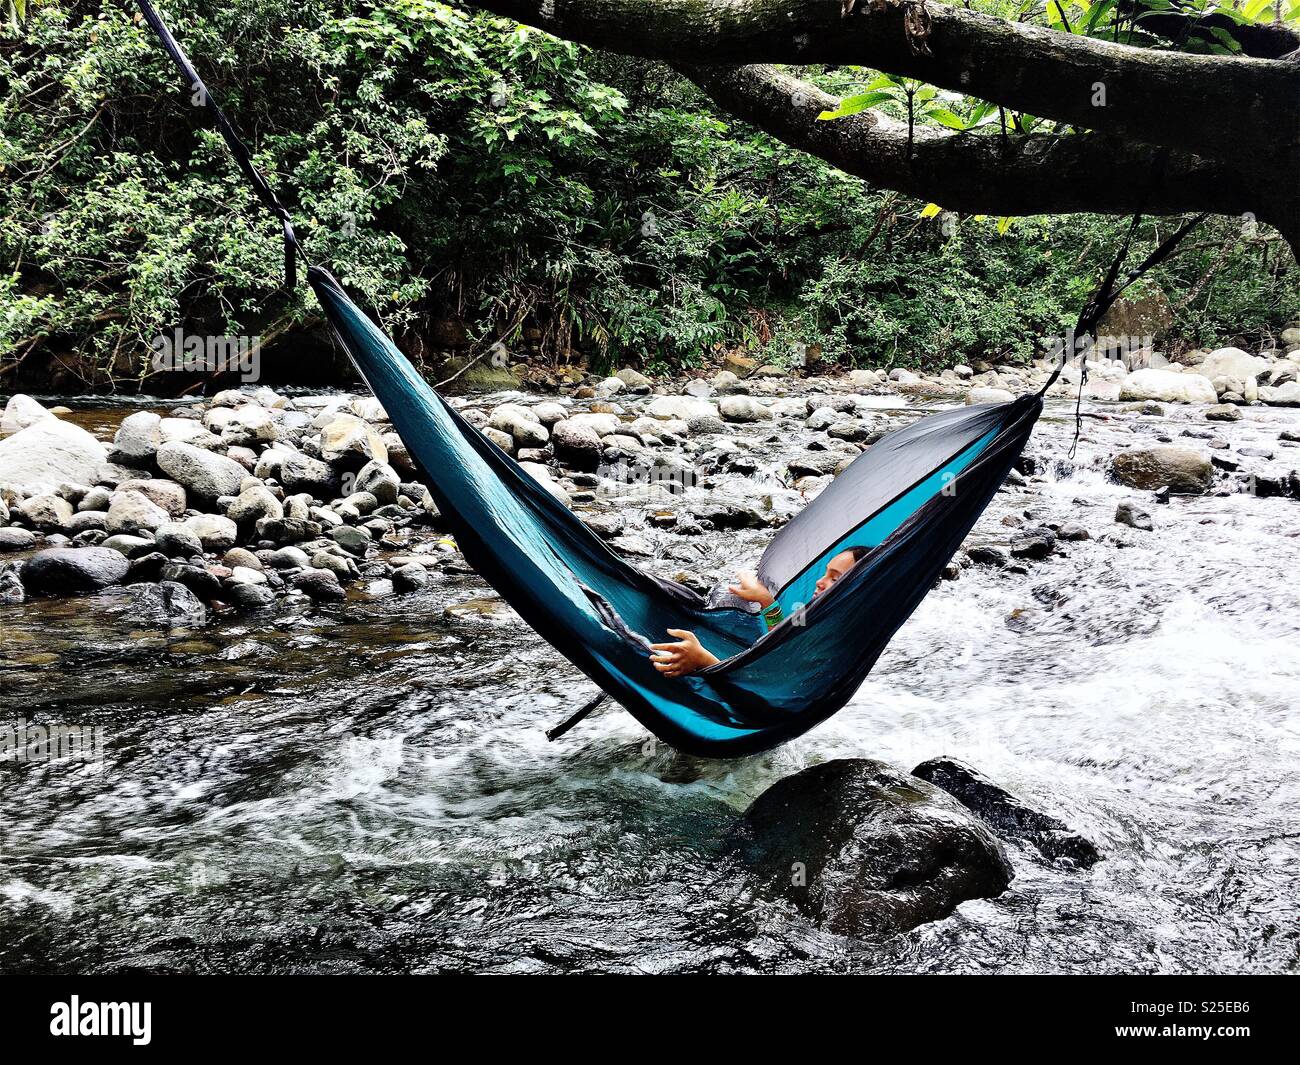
(367, 787)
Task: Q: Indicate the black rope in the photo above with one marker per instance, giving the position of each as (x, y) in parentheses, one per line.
(292, 249)
(559, 730)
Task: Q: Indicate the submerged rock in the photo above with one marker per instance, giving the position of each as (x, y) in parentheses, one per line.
(167, 603)
(1005, 813)
(863, 848)
(1185, 470)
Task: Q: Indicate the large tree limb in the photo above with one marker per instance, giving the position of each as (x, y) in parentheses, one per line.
(1214, 106)
(1035, 174)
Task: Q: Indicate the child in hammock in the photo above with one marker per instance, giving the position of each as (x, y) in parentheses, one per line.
(687, 654)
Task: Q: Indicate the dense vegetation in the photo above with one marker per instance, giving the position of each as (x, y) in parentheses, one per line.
(478, 181)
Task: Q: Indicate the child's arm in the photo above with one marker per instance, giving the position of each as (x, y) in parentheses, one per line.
(685, 656)
(751, 590)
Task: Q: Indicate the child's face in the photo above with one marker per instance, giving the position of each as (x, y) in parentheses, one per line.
(835, 569)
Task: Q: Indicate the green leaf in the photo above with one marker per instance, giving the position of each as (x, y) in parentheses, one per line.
(852, 105)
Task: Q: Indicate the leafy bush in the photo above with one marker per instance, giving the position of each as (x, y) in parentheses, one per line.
(460, 168)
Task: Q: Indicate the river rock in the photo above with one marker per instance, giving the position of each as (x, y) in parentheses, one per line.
(73, 570)
(51, 451)
(1223, 412)
(319, 584)
(16, 539)
(176, 540)
(250, 425)
(1167, 386)
(864, 849)
(301, 473)
(1034, 544)
(133, 512)
(167, 603)
(636, 381)
(253, 503)
(249, 598)
(683, 408)
(381, 481)
(215, 532)
(202, 473)
(11, 587)
(45, 511)
(1008, 815)
(138, 438)
(521, 423)
(1185, 470)
(988, 395)
(1233, 363)
(577, 444)
(187, 431)
(349, 442)
(158, 490)
(20, 412)
(1287, 395)
(743, 409)
(410, 578)
(1135, 517)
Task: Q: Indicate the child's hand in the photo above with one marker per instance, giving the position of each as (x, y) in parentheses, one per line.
(751, 589)
(678, 659)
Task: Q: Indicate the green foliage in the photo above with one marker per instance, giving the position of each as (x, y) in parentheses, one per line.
(457, 166)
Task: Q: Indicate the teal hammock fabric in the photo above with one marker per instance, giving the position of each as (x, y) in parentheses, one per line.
(911, 499)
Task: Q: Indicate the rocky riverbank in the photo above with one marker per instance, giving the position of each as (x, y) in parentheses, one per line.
(251, 497)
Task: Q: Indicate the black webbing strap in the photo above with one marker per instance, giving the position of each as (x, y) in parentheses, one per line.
(292, 249)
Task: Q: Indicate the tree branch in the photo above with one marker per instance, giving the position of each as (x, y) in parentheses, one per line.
(1214, 106)
(1034, 174)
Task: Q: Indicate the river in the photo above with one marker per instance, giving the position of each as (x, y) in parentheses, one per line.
(366, 787)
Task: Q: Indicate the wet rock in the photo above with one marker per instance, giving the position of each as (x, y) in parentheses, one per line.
(250, 598)
(343, 568)
(147, 567)
(729, 515)
(352, 538)
(133, 512)
(16, 539)
(706, 423)
(20, 412)
(1073, 531)
(1167, 386)
(287, 530)
(410, 578)
(815, 464)
(1185, 470)
(1033, 544)
(1135, 517)
(198, 579)
(51, 451)
(45, 511)
(1223, 412)
(167, 603)
(73, 570)
(129, 545)
(11, 588)
(1009, 816)
(987, 556)
(202, 473)
(1287, 395)
(864, 849)
(319, 584)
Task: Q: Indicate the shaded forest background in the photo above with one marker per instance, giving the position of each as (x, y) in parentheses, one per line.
(480, 182)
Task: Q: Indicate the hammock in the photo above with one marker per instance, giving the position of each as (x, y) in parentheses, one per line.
(911, 499)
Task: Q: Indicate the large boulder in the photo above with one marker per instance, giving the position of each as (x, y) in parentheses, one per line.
(1168, 386)
(1007, 814)
(1232, 362)
(51, 451)
(73, 570)
(1186, 470)
(20, 412)
(863, 848)
(201, 472)
(1287, 395)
